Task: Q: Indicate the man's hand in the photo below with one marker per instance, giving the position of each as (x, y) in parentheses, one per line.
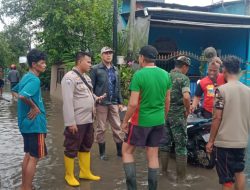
(209, 147)
(186, 113)
(33, 112)
(120, 106)
(124, 127)
(100, 98)
(192, 108)
(73, 129)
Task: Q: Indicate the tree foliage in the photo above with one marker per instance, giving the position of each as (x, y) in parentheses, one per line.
(63, 27)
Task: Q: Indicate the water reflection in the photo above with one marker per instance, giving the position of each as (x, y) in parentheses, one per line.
(50, 171)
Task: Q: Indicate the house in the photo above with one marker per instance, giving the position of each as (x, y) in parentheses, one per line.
(177, 29)
(186, 30)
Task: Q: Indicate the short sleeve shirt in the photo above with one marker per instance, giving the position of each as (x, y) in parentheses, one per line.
(153, 84)
(29, 87)
(219, 100)
(180, 85)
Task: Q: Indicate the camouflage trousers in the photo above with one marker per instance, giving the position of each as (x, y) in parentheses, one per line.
(175, 135)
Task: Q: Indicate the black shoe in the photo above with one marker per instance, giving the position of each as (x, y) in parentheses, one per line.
(102, 151)
(119, 149)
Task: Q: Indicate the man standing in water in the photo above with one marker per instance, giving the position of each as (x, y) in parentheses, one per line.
(147, 108)
(78, 113)
(207, 87)
(13, 77)
(230, 127)
(31, 116)
(105, 79)
(176, 127)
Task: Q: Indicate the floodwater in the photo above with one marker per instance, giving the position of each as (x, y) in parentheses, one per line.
(50, 171)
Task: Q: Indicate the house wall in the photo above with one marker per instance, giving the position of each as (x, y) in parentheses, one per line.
(232, 41)
(55, 86)
(184, 38)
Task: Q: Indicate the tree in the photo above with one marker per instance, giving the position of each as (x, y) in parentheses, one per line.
(5, 52)
(63, 27)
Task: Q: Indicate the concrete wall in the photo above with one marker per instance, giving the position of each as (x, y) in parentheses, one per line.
(55, 87)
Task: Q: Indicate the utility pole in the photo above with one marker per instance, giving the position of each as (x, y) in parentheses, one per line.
(115, 22)
(131, 27)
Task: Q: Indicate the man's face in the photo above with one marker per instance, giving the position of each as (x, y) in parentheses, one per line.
(107, 56)
(85, 63)
(213, 71)
(225, 73)
(185, 69)
(140, 60)
(40, 66)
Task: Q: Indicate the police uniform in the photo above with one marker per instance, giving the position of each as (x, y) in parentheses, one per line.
(78, 109)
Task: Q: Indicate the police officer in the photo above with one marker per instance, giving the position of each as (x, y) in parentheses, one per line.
(175, 130)
(78, 111)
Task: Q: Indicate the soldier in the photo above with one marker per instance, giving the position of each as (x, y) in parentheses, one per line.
(175, 130)
(78, 111)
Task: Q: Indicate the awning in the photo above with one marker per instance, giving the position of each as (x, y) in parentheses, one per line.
(178, 17)
(198, 24)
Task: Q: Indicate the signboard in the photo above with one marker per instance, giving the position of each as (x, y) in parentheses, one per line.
(22, 59)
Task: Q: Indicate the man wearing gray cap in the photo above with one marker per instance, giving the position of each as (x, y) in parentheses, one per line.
(105, 79)
(176, 129)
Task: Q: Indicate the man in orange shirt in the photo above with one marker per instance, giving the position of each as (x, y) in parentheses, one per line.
(207, 87)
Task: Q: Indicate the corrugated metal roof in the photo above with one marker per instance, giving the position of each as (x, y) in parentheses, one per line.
(199, 24)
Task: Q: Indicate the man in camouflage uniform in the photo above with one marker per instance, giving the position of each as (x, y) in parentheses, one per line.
(176, 130)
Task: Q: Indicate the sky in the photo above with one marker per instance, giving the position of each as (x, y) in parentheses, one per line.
(196, 2)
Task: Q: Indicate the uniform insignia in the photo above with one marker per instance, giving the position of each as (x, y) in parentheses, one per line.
(68, 81)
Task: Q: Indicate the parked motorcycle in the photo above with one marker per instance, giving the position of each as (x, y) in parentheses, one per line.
(198, 130)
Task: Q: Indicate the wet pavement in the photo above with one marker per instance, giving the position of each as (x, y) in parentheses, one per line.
(50, 171)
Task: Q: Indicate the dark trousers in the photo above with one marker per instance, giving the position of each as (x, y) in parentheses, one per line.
(79, 142)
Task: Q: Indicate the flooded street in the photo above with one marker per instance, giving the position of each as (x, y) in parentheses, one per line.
(50, 171)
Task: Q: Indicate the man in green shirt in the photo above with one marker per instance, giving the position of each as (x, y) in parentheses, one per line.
(148, 104)
(176, 128)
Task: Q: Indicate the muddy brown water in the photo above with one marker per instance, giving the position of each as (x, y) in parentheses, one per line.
(50, 171)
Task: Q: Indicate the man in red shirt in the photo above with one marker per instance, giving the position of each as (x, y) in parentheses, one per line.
(207, 87)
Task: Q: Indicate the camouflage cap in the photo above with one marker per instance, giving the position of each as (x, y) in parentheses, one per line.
(106, 49)
(184, 59)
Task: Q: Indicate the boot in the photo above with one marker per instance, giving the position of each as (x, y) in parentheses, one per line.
(152, 178)
(84, 163)
(69, 171)
(164, 161)
(130, 173)
(181, 168)
(119, 149)
(102, 151)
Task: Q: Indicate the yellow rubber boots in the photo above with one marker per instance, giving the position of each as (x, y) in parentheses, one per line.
(69, 171)
(84, 162)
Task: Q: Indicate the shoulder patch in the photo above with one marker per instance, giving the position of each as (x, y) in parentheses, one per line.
(68, 81)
